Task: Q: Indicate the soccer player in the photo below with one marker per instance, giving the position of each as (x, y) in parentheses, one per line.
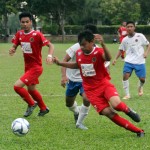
(73, 80)
(96, 81)
(122, 32)
(133, 44)
(31, 43)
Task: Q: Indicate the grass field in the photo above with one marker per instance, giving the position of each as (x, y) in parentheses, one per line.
(56, 130)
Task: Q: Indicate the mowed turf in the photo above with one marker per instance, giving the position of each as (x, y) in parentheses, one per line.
(56, 130)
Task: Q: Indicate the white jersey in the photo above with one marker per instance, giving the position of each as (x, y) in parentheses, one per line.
(73, 74)
(134, 47)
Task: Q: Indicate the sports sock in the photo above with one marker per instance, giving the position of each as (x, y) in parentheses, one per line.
(125, 124)
(37, 97)
(140, 84)
(24, 94)
(122, 107)
(126, 87)
(83, 112)
(74, 108)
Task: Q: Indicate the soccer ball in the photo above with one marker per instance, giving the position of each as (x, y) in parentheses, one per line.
(20, 126)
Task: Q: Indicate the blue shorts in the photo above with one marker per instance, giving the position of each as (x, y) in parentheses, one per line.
(73, 88)
(140, 69)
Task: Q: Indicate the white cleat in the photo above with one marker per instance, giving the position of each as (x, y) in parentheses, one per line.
(81, 126)
(126, 97)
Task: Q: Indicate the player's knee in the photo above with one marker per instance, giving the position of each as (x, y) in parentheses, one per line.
(108, 112)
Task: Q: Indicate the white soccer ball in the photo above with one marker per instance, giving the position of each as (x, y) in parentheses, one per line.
(20, 126)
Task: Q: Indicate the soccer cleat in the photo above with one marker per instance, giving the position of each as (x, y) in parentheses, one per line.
(141, 134)
(140, 91)
(126, 97)
(43, 112)
(81, 126)
(133, 115)
(30, 109)
(76, 117)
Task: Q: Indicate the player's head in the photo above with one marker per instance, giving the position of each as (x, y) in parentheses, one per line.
(86, 41)
(130, 27)
(91, 27)
(25, 21)
(124, 23)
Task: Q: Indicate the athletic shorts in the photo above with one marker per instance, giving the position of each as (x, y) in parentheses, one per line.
(31, 75)
(99, 98)
(140, 69)
(73, 88)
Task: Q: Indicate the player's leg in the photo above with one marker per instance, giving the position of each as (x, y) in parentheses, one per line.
(83, 112)
(127, 71)
(113, 116)
(71, 104)
(18, 87)
(122, 54)
(38, 98)
(140, 71)
(111, 94)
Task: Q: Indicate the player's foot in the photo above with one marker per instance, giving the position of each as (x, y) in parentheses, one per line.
(141, 134)
(76, 117)
(126, 97)
(133, 115)
(81, 126)
(43, 112)
(30, 109)
(140, 91)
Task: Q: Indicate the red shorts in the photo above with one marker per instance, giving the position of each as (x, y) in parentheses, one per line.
(31, 75)
(100, 97)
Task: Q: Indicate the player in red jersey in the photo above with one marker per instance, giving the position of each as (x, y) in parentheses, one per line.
(31, 42)
(122, 32)
(96, 81)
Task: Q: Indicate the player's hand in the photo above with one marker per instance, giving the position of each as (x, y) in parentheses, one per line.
(49, 60)
(114, 62)
(12, 51)
(55, 60)
(99, 38)
(145, 55)
(64, 80)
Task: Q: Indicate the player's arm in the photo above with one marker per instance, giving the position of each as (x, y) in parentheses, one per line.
(49, 58)
(12, 50)
(147, 51)
(117, 56)
(106, 56)
(72, 65)
(64, 78)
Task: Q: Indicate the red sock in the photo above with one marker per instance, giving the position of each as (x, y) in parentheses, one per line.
(125, 124)
(122, 107)
(24, 94)
(37, 97)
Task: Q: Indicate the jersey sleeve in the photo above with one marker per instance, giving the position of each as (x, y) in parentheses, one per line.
(15, 39)
(71, 51)
(144, 40)
(43, 39)
(122, 46)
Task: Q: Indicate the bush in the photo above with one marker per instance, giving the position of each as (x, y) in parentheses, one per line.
(50, 29)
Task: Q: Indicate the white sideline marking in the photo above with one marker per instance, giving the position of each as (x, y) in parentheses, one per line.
(44, 95)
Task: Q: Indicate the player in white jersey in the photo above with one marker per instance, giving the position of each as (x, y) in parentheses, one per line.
(134, 44)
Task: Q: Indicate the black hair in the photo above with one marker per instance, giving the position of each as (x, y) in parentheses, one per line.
(25, 14)
(130, 22)
(91, 27)
(87, 35)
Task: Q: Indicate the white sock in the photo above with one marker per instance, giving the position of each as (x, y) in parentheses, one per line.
(74, 108)
(83, 112)
(126, 87)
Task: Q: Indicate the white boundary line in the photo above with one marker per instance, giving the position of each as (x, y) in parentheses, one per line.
(15, 95)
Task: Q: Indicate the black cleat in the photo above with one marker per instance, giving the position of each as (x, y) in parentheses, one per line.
(43, 112)
(141, 134)
(30, 109)
(133, 115)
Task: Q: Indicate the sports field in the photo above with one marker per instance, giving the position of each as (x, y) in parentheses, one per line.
(56, 130)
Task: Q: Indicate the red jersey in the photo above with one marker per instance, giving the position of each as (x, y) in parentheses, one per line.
(123, 32)
(92, 69)
(31, 44)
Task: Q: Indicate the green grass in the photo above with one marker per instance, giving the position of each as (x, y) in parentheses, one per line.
(56, 130)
